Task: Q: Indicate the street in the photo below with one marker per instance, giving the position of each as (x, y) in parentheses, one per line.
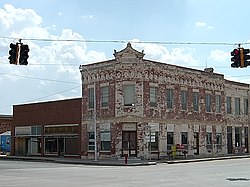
(235, 172)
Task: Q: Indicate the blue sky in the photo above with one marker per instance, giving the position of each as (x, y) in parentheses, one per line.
(53, 73)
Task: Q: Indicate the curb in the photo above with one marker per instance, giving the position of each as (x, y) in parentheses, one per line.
(206, 159)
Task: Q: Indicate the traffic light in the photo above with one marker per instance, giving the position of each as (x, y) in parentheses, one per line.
(13, 53)
(235, 58)
(24, 54)
(244, 56)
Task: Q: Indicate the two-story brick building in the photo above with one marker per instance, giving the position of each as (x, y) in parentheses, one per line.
(144, 107)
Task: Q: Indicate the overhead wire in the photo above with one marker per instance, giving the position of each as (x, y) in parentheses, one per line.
(38, 78)
(47, 96)
(124, 41)
(106, 41)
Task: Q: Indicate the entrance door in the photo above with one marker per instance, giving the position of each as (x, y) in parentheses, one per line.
(129, 143)
(229, 140)
(196, 143)
(60, 146)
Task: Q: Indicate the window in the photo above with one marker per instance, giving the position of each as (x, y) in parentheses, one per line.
(129, 95)
(237, 106)
(154, 141)
(209, 140)
(105, 141)
(237, 136)
(218, 140)
(36, 130)
(153, 96)
(36, 145)
(208, 103)
(170, 140)
(169, 96)
(196, 101)
(229, 105)
(218, 103)
(91, 137)
(91, 97)
(50, 145)
(184, 139)
(245, 106)
(184, 100)
(105, 96)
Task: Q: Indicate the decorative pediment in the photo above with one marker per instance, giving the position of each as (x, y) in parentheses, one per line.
(128, 54)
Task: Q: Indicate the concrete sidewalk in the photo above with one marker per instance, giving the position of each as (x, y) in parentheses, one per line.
(100, 162)
(118, 162)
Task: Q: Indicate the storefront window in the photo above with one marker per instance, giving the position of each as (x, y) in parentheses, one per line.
(50, 145)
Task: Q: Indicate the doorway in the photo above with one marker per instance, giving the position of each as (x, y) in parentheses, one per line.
(196, 143)
(229, 140)
(61, 146)
(129, 143)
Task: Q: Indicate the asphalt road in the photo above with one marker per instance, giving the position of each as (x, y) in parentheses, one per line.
(220, 173)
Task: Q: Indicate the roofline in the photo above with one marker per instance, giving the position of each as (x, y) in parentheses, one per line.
(182, 67)
(44, 102)
(235, 82)
(6, 116)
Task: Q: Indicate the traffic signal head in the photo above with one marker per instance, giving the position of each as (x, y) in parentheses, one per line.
(13, 53)
(24, 54)
(246, 57)
(235, 58)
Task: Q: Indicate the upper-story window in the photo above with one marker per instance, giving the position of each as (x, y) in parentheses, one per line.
(153, 96)
(184, 100)
(129, 95)
(169, 96)
(218, 103)
(229, 106)
(91, 95)
(237, 106)
(245, 106)
(196, 101)
(208, 102)
(105, 96)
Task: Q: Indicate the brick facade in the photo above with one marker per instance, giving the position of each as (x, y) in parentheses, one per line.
(5, 123)
(36, 124)
(129, 68)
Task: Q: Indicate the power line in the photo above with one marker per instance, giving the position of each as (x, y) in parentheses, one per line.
(44, 96)
(125, 41)
(37, 78)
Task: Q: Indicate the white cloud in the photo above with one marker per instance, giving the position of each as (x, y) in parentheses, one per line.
(219, 56)
(177, 56)
(87, 17)
(52, 60)
(200, 24)
(13, 18)
(60, 14)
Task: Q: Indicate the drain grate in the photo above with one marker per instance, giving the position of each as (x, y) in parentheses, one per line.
(238, 179)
